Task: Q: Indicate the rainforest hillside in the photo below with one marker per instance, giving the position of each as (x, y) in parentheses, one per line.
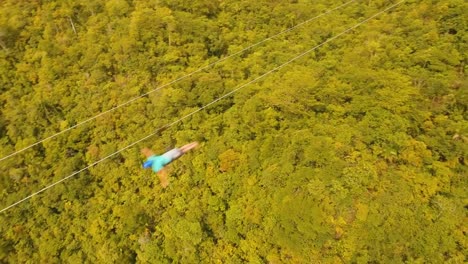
(330, 131)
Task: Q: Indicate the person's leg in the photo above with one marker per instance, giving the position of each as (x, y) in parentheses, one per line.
(176, 153)
(173, 154)
(188, 147)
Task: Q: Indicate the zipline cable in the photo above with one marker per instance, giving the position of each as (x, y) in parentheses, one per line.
(172, 82)
(203, 107)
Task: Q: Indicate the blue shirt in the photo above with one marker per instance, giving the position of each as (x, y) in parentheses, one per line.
(157, 163)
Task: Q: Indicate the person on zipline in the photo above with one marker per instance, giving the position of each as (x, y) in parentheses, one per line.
(157, 163)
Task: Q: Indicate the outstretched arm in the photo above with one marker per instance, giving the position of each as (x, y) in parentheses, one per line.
(147, 152)
(163, 178)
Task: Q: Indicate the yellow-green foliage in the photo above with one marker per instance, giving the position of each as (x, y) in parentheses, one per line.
(355, 153)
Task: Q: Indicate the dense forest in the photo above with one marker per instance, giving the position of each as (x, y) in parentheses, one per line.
(353, 153)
